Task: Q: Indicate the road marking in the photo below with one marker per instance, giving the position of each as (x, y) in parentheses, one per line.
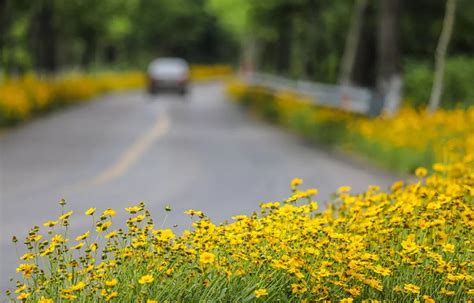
(133, 153)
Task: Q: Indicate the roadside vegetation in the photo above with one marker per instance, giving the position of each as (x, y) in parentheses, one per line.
(27, 96)
(410, 243)
(402, 142)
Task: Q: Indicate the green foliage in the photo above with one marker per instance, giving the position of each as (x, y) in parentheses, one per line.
(457, 89)
(126, 33)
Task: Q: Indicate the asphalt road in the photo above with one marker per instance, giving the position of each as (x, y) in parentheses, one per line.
(199, 152)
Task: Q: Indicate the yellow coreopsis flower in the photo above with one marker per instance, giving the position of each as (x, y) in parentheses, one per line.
(448, 248)
(146, 279)
(111, 234)
(83, 236)
(411, 288)
(428, 299)
(295, 183)
(111, 283)
(66, 215)
(20, 289)
(164, 234)
(23, 296)
(421, 172)
(58, 239)
(50, 223)
(78, 246)
(133, 209)
(90, 211)
(344, 189)
(109, 212)
(207, 258)
(80, 285)
(261, 292)
(45, 300)
(26, 269)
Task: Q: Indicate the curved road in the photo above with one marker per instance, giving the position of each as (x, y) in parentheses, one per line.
(199, 152)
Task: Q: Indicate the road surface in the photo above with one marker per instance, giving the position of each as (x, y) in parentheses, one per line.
(200, 152)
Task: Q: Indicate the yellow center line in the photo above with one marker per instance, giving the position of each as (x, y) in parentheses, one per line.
(133, 153)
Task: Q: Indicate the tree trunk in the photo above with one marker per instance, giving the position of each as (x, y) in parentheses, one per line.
(249, 56)
(352, 43)
(285, 31)
(440, 56)
(296, 62)
(389, 81)
(3, 38)
(44, 37)
(88, 55)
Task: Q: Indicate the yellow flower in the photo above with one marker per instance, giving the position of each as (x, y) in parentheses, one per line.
(45, 300)
(26, 269)
(80, 285)
(381, 270)
(298, 289)
(68, 296)
(133, 209)
(164, 234)
(409, 245)
(397, 185)
(111, 234)
(428, 299)
(83, 236)
(20, 289)
(411, 288)
(193, 212)
(262, 292)
(346, 300)
(111, 283)
(66, 215)
(448, 248)
(151, 301)
(112, 295)
(344, 189)
(296, 182)
(421, 172)
(58, 239)
(27, 256)
(93, 246)
(23, 296)
(146, 279)
(207, 258)
(78, 246)
(90, 211)
(35, 238)
(50, 223)
(109, 212)
(103, 226)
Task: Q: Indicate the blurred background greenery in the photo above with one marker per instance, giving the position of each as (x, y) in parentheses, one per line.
(302, 39)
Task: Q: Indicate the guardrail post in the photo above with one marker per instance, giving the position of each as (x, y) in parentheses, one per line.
(376, 105)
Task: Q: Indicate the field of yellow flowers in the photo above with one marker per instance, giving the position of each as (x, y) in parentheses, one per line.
(24, 97)
(403, 142)
(411, 243)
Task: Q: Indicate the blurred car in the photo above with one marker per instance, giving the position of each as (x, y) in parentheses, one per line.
(168, 74)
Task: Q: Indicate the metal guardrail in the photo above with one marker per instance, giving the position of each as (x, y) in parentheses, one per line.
(349, 98)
